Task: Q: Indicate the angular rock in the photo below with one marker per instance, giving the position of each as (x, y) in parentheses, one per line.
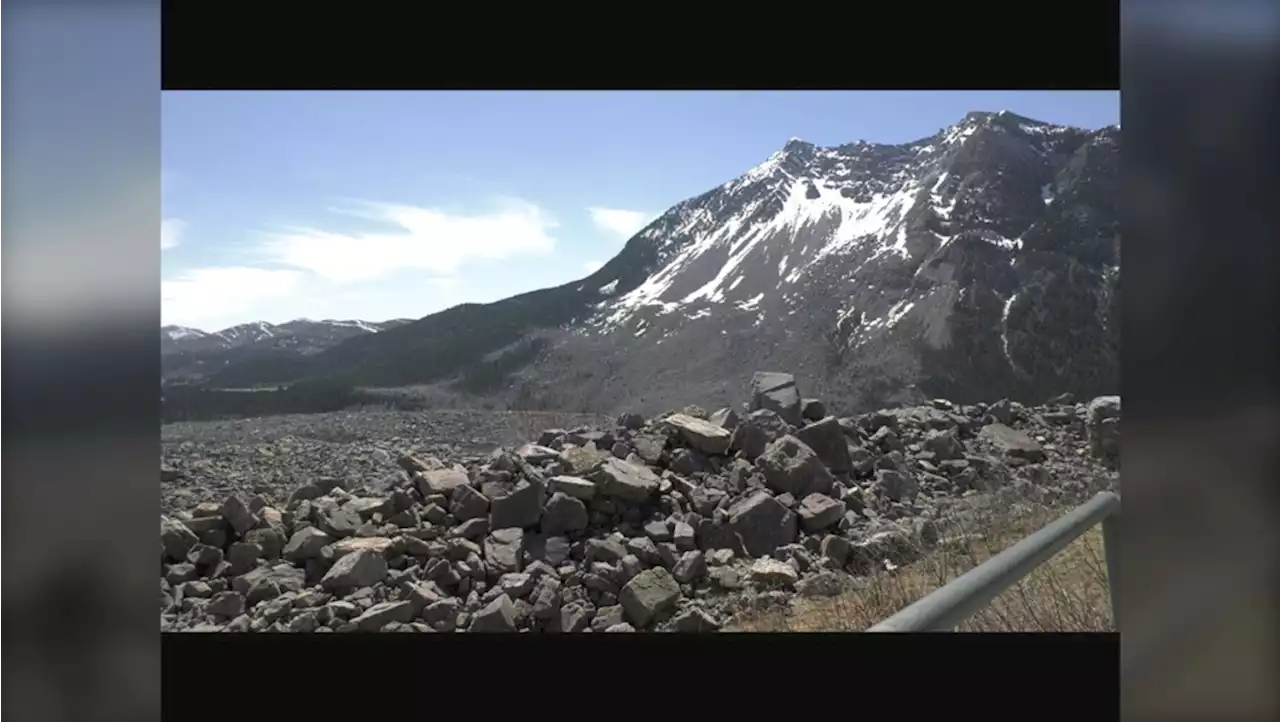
(762, 524)
(359, 569)
(226, 605)
(896, 485)
(574, 486)
(626, 481)
(238, 515)
(1012, 443)
(694, 620)
(520, 507)
(563, 514)
(339, 522)
(176, 539)
(836, 548)
(243, 556)
(575, 617)
(374, 544)
(691, 567)
(269, 582)
(498, 616)
(537, 453)
(726, 418)
(270, 541)
(705, 436)
(827, 439)
(750, 440)
(1001, 411)
(819, 511)
(366, 507)
(441, 481)
(776, 392)
(791, 467)
(384, 613)
(306, 544)
(944, 445)
(823, 584)
(651, 595)
(649, 447)
(581, 461)
(768, 572)
(504, 550)
(467, 503)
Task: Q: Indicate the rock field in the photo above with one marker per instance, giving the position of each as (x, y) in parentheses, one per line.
(382, 521)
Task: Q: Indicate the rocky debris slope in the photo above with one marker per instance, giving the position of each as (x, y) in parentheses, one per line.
(669, 524)
(207, 461)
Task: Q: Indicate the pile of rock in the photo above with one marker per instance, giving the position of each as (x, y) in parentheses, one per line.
(664, 524)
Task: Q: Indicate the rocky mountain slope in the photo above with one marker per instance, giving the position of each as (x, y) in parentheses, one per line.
(675, 523)
(980, 262)
(190, 353)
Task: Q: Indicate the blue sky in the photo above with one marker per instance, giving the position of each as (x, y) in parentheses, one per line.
(377, 205)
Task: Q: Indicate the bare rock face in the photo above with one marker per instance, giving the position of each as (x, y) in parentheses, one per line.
(676, 525)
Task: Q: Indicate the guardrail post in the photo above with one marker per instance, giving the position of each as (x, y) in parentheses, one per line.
(1111, 549)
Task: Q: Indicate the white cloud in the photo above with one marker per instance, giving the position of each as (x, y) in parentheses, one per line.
(592, 266)
(171, 232)
(422, 239)
(212, 298)
(619, 222)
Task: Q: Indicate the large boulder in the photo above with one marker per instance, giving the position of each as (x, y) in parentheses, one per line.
(827, 439)
(777, 392)
(705, 436)
(1012, 442)
(762, 523)
(626, 481)
(650, 595)
(790, 466)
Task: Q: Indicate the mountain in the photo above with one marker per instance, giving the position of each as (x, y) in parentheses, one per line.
(982, 261)
(191, 354)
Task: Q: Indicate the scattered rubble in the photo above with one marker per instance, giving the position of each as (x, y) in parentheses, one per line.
(665, 524)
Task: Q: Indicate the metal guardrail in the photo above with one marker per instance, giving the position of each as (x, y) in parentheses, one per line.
(947, 607)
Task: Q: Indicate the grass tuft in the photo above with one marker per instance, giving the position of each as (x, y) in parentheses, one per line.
(1068, 593)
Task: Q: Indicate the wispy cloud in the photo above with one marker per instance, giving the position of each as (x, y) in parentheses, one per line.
(171, 230)
(210, 297)
(592, 266)
(417, 238)
(619, 222)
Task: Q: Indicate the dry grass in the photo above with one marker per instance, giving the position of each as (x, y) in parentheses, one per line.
(1068, 593)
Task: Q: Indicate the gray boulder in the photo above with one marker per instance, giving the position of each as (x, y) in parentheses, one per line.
(776, 392)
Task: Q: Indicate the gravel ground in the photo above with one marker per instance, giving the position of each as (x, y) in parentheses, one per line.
(275, 455)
